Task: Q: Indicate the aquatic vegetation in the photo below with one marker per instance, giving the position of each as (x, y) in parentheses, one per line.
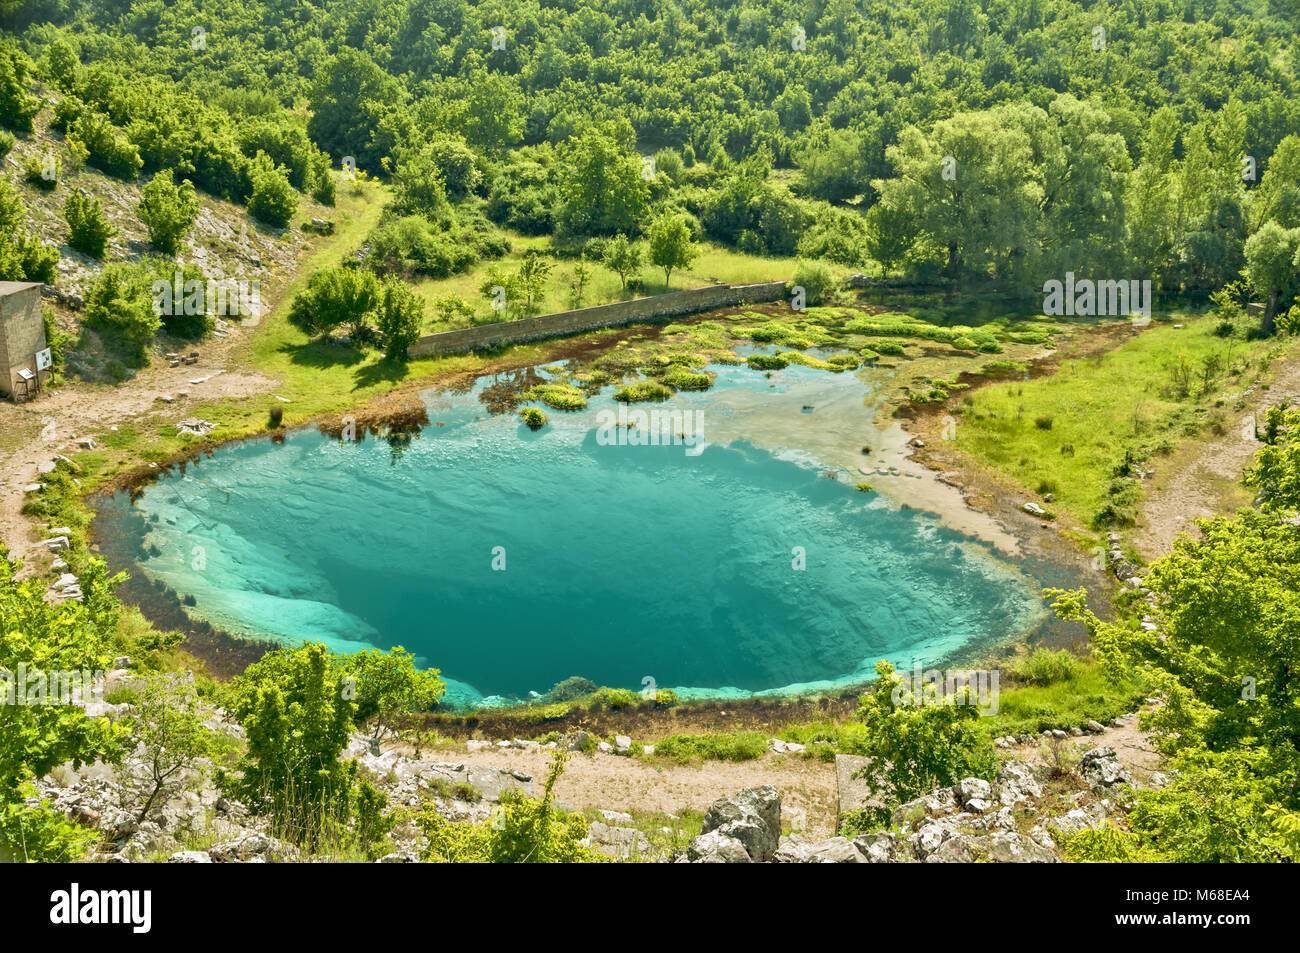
(533, 417)
(767, 362)
(558, 396)
(643, 391)
(680, 379)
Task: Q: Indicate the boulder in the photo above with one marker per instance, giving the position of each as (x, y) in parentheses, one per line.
(716, 847)
(878, 848)
(1100, 767)
(1011, 848)
(1017, 782)
(836, 850)
(752, 817)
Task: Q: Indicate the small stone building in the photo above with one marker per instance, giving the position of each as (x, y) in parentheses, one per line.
(22, 334)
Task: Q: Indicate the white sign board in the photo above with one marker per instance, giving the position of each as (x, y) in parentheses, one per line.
(44, 360)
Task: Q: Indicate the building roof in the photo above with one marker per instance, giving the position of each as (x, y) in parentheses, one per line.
(13, 287)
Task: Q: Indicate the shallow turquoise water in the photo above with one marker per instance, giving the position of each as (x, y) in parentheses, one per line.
(621, 563)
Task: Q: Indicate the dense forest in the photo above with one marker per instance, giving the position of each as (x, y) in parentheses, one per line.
(982, 142)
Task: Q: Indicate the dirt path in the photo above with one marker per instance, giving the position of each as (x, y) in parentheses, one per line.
(34, 432)
(1205, 476)
(609, 782)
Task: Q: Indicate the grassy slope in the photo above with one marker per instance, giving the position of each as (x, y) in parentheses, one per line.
(1101, 406)
(603, 285)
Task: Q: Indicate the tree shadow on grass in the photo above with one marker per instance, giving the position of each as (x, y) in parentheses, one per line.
(382, 371)
(322, 355)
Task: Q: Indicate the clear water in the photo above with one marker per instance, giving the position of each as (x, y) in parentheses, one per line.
(621, 563)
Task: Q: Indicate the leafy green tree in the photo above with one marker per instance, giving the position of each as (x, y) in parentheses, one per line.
(273, 200)
(350, 99)
(18, 107)
(1271, 267)
(88, 228)
(419, 187)
(334, 298)
(389, 687)
(400, 318)
(172, 743)
(22, 256)
(1275, 472)
(50, 643)
(120, 300)
(916, 746)
(671, 246)
(601, 189)
(168, 211)
(623, 257)
(292, 704)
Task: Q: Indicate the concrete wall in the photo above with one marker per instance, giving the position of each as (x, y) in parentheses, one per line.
(643, 310)
(22, 333)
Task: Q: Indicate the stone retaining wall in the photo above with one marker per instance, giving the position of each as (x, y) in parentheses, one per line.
(591, 319)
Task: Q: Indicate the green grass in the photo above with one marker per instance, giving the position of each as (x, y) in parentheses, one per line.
(603, 286)
(1067, 433)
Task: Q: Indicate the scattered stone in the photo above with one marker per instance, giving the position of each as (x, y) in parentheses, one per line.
(785, 747)
(1033, 509)
(1100, 767)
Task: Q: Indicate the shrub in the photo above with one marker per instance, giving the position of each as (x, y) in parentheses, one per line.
(734, 746)
(106, 148)
(400, 319)
(273, 200)
(1043, 422)
(614, 698)
(534, 417)
(88, 229)
(334, 298)
(119, 300)
(277, 417)
(43, 171)
(1047, 667)
(893, 348)
(18, 107)
(168, 211)
(7, 141)
(816, 279)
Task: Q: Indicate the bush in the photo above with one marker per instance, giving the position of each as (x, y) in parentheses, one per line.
(106, 148)
(119, 300)
(43, 171)
(18, 107)
(816, 279)
(1043, 422)
(88, 229)
(7, 141)
(735, 746)
(273, 200)
(534, 417)
(400, 319)
(334, 298)
(168, 211)
(614, 698)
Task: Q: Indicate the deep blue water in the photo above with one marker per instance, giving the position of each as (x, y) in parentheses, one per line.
(621, 563)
